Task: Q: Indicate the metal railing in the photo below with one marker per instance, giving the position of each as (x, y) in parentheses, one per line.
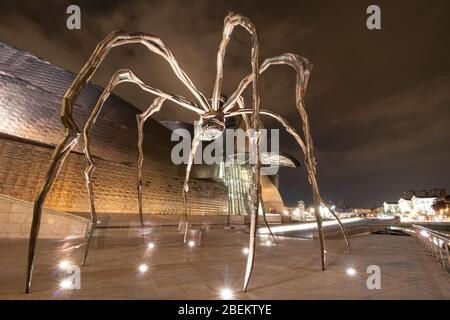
(436, 243)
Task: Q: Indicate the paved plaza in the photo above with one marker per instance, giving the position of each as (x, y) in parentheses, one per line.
(289, 270)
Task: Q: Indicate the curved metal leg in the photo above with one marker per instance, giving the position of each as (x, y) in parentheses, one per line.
(321, 236)
(139, 193)
(88, 175)
(141, 118)
(89, 240)
(251, 247)
(186, 220)
(303, 69)
(194, 146)
(241, 105)
(310, 168)
(230, 22)
(256, 193)
(119, 77)
(266, 222)
(61, 152)
(317, 203)
(344, 232)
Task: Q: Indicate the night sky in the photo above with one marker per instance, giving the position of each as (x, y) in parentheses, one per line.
(378, 100)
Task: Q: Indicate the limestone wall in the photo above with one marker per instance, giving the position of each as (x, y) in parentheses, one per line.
(16, 216)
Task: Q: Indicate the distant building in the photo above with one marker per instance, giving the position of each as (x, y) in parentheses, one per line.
(377, 210)
(416, 202)
(405, 205)
(391, 207)
(422, 204)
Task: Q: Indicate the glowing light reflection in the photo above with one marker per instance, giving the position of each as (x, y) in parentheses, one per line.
(351, 271)
(143, 268)
(65, 284)
(64, 264)
(305, 226)
(226, 294)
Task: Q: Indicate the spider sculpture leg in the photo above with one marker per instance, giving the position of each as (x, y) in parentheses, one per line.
(297, 137)
(265, 217)
(141, 118)
(302, 67)
(288, 128)
(72, 133)
(119, 77)
(241, 105)
(231, 21)
(255, 193)
(71, 137)
(89, 240)
(194, 146)
(317, 204)
(341, 226)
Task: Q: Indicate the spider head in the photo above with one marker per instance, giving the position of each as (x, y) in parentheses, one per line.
(213, 124)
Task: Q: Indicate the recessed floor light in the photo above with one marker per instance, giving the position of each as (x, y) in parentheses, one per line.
(143, 268)
(64, 264)
(351, 271)
(226, 294)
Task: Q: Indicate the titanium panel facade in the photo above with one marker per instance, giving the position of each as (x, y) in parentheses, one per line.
(30, 95)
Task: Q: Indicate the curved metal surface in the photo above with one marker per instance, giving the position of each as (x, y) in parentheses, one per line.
(141, 118)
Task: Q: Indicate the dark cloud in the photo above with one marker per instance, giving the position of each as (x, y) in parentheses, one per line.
(379, 101)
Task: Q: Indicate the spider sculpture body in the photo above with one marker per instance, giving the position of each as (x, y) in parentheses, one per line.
(212, 114)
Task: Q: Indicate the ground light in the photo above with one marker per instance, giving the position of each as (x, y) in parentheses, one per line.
(245, 251)
(151, 245)
(64, 264)
(351, 271)
(143, 268)
(226, 294)
(191, 243)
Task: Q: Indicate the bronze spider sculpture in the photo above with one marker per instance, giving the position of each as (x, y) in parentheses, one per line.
(212, 115)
